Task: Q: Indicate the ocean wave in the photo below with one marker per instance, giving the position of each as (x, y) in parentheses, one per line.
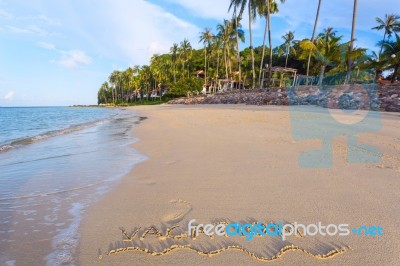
(45, 194)
(17, 143)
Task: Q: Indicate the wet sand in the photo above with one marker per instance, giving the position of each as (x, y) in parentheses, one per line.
(226, 163)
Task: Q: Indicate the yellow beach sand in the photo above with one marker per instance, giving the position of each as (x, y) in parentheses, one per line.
(226, 163)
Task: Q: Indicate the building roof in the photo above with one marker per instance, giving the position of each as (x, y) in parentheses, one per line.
(281, 69)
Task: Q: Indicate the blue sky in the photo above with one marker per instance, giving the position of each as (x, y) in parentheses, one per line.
(59, 52)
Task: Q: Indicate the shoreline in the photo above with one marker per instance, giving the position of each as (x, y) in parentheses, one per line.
(195, 171)
(48, 184)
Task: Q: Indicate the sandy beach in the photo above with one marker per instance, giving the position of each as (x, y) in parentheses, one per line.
(236, 163)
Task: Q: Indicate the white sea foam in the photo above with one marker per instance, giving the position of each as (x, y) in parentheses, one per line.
(42, 176)
(67, 239)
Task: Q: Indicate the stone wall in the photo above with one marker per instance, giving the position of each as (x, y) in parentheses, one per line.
(354, 96)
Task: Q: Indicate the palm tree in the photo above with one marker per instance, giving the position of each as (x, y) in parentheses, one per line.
(145, 76)
(326, 49)
(270, 4)
(115, 80)
(390, 24)
(174, 53)
(136, 69)
(185, 51)
(392, 53)
(225, 32)
(288, 38)
(262, 10)
(206, 37)
(251, 6)
(216, 51)
(313, 35)
(353, 29)
(156, 68)
(127, 82)
(252, 16)
(103, 93)
(238, 30)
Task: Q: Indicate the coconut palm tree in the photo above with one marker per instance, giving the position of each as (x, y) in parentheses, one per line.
(206, 37)
(225, 33)
(313, 35)
(156, 68)
(351, 46)
(390, 24)
(251, 7)
(326, 49)
(392, 54)
(115, 79)
(145, 76)
(127, 82)
(237, 27)
(103, 93)
(174, 54)
(270, 4)
(288, 38)
(185, 52)
(262, 10)
(216, 47)
(136, 69)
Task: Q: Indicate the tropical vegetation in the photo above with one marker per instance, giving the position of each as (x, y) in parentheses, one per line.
(186, 70)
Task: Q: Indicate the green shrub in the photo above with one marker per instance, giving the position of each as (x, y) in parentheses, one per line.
(183, 86)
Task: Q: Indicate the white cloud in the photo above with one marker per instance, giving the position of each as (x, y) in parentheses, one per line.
(136, 35)
(30, 29)
(156, 48)
(46, 45)
(42, 19)
(9, 96)
(212, 9)
(5, 14)
(70, 59)
(46, 20)
(74, 58)
(36, 30)
(16, 29)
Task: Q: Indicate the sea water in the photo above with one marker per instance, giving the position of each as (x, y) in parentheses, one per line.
(55, 162)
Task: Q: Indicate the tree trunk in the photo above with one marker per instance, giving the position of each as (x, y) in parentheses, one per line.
(217, 64)
(270, 43)
(116, 94)
(313, 36)
(383, 42)
(251, 47)
(205, 65)
(353, 29)
(175, 72)
(321, 75)
(229, 60)
(226, 64)
(188, 69)
(263, 52)
(237, 48)
(287, 55)
(379, 57)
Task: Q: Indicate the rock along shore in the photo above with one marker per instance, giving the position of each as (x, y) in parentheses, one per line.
(354, 96)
